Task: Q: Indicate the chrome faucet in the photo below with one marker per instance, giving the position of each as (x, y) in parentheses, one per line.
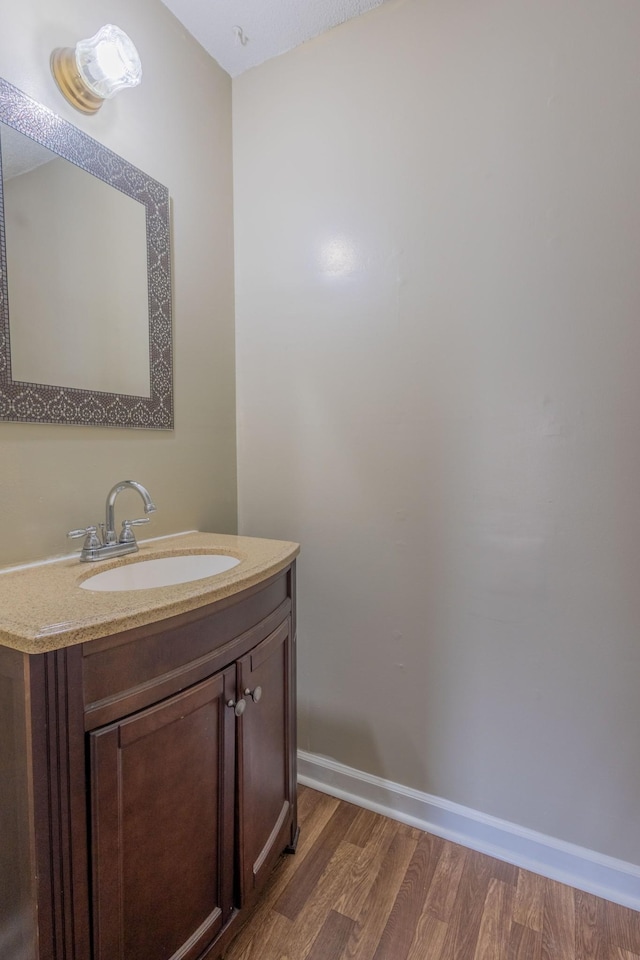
(149, 507)
(100, 546)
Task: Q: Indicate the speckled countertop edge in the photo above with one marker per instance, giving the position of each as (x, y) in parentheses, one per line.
(43, 608)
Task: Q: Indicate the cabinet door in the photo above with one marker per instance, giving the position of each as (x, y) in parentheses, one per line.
(265, 771)
(162, 804)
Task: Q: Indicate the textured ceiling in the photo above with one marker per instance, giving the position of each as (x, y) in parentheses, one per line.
(243, 33)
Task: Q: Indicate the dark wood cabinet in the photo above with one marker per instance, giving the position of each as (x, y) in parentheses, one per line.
(153, 782)
(162, 796)
(264, 757)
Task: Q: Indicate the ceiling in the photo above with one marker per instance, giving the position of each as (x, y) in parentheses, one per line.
(240, 34)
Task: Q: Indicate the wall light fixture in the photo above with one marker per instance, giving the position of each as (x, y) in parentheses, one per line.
(96, 68)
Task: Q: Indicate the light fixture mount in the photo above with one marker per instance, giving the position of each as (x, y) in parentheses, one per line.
(95, 69)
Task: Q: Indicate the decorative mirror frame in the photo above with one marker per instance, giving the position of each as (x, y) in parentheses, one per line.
(41, 403)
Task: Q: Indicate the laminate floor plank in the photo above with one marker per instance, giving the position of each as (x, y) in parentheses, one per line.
(309, 921)
(366, 867)
(495, 925)
(265, 942)
(362, 828)
(364, 939)
(623, 928)
(524, 943)
(333, 937)
(507, 872)
(558, 924)
(588, 933)
(528, 908)
(295, 895)
(314, 813)
(446, 880)
(397, 936)
(464, 926)
(428, 939)
(313, 819)
(363, 887)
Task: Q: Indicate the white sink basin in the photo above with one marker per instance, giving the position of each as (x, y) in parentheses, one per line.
(161, 572)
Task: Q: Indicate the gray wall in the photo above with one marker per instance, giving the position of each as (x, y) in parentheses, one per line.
(437, 241)
(177, 128)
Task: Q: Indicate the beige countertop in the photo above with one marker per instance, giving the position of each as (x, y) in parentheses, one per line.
(43, 608)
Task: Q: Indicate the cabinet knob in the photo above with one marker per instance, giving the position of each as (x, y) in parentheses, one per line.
(254, 694)
(238, 706)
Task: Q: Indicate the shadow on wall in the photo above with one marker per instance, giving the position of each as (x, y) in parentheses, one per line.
(346, 738)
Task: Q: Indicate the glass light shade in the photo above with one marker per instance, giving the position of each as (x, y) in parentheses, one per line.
(108, 62)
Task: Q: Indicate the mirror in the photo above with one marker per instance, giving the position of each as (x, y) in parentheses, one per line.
(85, 292)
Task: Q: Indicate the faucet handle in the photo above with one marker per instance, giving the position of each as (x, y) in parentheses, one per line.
(126, 534)
(92, 540)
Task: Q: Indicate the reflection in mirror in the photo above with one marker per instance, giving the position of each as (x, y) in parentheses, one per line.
(85, 294)
(77, 274)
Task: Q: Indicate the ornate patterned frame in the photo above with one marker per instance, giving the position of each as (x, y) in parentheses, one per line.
(41, 403)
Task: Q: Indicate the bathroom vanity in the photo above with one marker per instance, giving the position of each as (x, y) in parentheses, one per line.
(147, 755)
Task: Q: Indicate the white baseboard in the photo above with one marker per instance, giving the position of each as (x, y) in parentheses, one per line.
(579, 867)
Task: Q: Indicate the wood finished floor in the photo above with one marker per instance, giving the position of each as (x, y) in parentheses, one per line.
(362, 887)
